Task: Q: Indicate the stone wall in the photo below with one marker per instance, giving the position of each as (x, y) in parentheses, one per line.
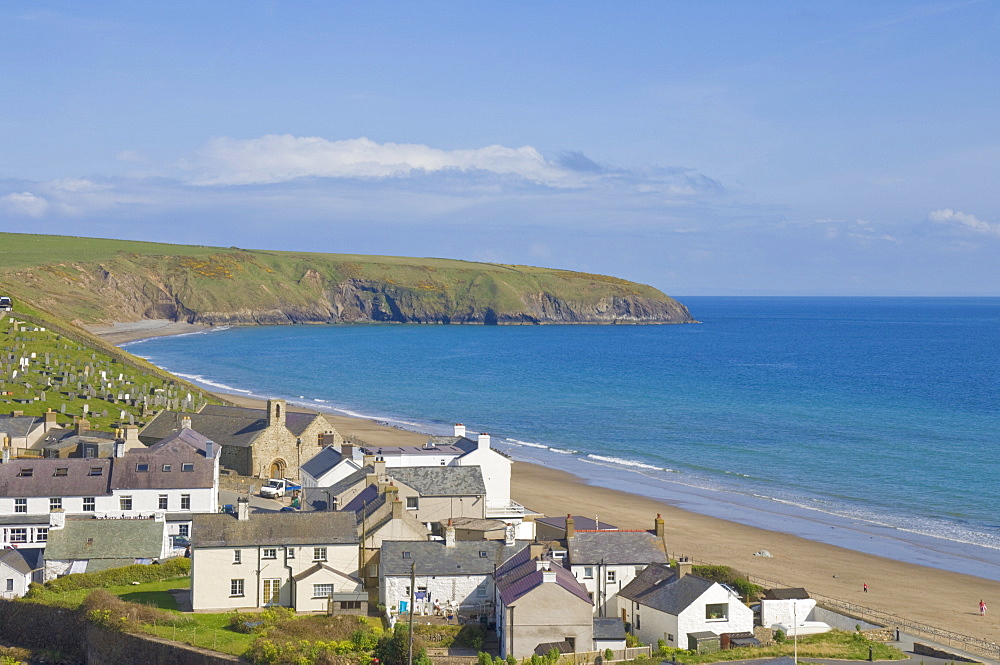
(105, 647)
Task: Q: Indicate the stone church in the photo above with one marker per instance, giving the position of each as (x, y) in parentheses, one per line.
(266, 443)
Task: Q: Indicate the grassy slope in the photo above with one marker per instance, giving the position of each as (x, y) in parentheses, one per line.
(73, 276)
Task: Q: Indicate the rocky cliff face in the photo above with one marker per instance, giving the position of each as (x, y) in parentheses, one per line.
(240, 288)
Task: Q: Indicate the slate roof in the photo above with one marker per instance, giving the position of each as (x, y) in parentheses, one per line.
(476, 524)
(185, 446)
(658, 587)
(441, 480)
(322, 462)
(316, 497)
(579, 522)
(609, 628)
(520, 575)
(366, 502)
(295, 421)
(227, 430)
(43, 480)
(794, 593)
(17, 560)
(19, 426)
(106, 539)
(432, 557)
(312, 570)
(616, 547)
(308, 528)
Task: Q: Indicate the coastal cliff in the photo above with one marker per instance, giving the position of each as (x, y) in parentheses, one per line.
(126, 281)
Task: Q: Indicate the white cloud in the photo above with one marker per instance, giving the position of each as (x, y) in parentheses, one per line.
(279, 158)
(25, 204)
(964, 220)
(129, 156)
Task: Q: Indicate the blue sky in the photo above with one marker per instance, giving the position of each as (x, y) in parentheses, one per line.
(702, 147)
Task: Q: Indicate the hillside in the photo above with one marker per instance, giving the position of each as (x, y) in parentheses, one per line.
(90, 281)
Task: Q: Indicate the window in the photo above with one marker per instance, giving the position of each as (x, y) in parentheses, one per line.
(588, 572)
(42, 534)
(20, 505)
(185, 502)
(637, 622)
(55, 503)
(125, 502)
(235, 587)
(142, 468)
(237, 556)
(163, 502)
(350, 604)
(717, 612)
(10, 584)
(611, 576)
(26, 472)
(482, 554)
(411, 503)
(322, 590)
(166, 468)
(96, 471)
(89, 504)
(639, 569)
(406, 555)
(272, 590)
(670, 636)
(60, 472)
(290, 553)
(184, 530)
(18, 535)
(319, 554)
(269, 553)
(187, 466)
(481, 592)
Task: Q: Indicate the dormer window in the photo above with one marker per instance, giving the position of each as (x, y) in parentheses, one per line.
(187, 466)
(96, 471)
(166, 468)
(406, 555)
(60, 472)
(482, 554)
(142, 468)
(26, 473)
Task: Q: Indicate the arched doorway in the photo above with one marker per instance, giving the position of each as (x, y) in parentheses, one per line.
(278, 468)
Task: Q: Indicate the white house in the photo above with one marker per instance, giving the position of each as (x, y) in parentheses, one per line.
(671, 605)
(82, 544)
(605, 562)
(306, 561)
(449, 574)
(175, 478)
(18, 569)
(329, 466)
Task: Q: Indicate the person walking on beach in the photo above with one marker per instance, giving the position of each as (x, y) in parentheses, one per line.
(866, 587)
(982, 608)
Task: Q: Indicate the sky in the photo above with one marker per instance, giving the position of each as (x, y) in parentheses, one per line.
(705, 148)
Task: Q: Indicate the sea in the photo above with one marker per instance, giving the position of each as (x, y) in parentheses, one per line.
(868, 423)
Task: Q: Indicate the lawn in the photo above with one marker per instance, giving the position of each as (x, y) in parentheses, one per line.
(837, 644)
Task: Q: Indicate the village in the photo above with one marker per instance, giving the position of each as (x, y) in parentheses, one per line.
(274, 508)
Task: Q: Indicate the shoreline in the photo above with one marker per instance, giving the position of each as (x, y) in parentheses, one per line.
(918, 592)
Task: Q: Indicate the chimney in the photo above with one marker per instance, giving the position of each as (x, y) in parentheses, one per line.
(131, 434)
(536, 550)
(570, 527)
(210, 449)
(658, 526)
(484, 441)
(548, 576)
(397, 509)
(510, 535)
(50, 420)
(543, 564)
(186, 422)
(368, 459)
(119, 448)
(243, 509)
(276, 412)
(82, 425)
(379, 467)
(159, 516)
(347, 450)
(684, 566)
(5, 456)
(57, 519)
(459, 429)
(449, 534)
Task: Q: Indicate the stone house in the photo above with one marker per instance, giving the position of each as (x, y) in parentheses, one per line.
(663, 603)
(305, 561)
(90, 545)
(266, 443)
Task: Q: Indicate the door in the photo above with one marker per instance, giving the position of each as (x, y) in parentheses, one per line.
(272, 591)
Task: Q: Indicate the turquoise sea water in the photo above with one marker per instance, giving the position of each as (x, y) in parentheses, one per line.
(871, 423)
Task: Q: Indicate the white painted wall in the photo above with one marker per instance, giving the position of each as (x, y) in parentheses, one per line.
(605, 593)
(14, 579)
(442, 588)
(693, 620)
(496, 473)
(341, 470)
(785, 611)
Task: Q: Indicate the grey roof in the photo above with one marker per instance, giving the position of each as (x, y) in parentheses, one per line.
(432, 557)
(315, 568)
(309, 528)
(441, 480)
(182, 447)
(366, 502)
(609, 628)
(19, 425)
(295, 421)
(476, 524)
(18, 560)
(658, 587)
(44, 480)
(616, 547)
(322, 462)
(315, 498)
(793, 593)
(579, 522)
(224, 429)
(106, 539)
(520, 575)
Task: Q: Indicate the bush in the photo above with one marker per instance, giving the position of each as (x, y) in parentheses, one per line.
(108, 610)
(471, 635)
(609, 654)
(779, 636)
(169, 569)
(728, 576)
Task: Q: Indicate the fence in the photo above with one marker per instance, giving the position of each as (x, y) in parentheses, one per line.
(587, 657)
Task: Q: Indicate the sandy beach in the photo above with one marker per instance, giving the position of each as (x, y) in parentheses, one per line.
(119, 333)
(920, 593)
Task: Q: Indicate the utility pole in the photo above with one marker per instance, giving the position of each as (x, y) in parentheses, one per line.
(413, 583)
(795, 637)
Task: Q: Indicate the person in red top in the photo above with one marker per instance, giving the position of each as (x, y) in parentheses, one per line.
(866, 587)
(982, 608)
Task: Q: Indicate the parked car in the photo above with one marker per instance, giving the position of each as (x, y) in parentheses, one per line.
(278, 487)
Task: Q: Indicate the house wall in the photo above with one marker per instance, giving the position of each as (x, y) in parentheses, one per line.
(212, 569)
(785, 611)
(440, 508)
(603, 592)
(342, 469)
(15, 579)
(463, 589)
(692, 620)
(496, 473)
(653, 625)
(548, 613)
(306, 602)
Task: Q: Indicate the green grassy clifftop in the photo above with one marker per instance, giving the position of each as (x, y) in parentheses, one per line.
(90, 280)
